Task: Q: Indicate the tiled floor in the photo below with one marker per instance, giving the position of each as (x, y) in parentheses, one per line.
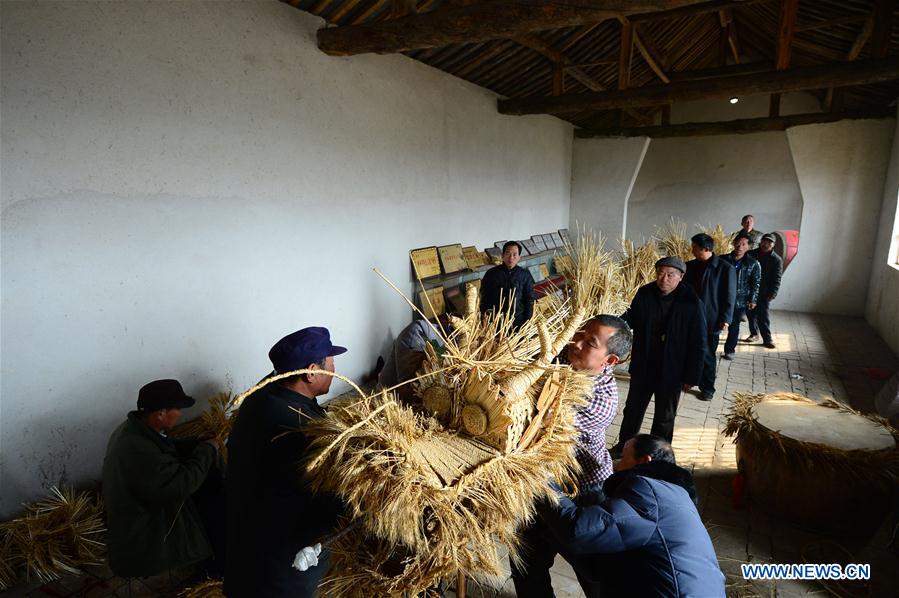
(819, 356)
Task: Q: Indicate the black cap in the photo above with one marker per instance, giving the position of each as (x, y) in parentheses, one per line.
(163, 394)
(672, 261)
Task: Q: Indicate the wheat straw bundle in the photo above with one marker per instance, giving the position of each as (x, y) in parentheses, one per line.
(637, 268)
(723, 240)
(7, 573)
(823, 465)
(55, 536)
(215, 422)
(672, 240)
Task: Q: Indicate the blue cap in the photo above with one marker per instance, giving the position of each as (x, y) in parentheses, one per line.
(301, 348)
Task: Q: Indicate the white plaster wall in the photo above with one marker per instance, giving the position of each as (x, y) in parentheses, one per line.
(883, 292)
(603, 172)
(185, 182)
(715, 180)
(841, 169)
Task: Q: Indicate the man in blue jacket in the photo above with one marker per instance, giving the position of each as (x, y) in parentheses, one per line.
(272, 512)
(646, 537)
(715, 283)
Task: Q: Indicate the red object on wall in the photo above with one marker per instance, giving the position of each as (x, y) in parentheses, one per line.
(787, 245)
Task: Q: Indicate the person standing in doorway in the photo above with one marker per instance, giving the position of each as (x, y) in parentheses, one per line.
(749, 274)
(715, 283)
(772, 270)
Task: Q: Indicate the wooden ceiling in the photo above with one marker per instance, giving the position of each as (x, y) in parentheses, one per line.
(615, 66)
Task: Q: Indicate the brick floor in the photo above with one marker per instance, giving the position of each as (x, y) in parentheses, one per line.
(819, 356)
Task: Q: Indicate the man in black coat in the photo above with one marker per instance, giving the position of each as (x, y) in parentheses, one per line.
(772, 269)
(509, 282)
(646, 537)
(715, 283)
(669, 341)
(272, 513)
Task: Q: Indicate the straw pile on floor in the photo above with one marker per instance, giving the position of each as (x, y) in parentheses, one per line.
(54, 537)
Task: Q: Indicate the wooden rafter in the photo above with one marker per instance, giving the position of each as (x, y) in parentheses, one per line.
(731, 127)
(697, 9)
(647, 47)
(827, 23)
(747, 68)
(494, 19)
(625, 54)
(729, 26)
(786, 28)
(798, 79)
(883, 27)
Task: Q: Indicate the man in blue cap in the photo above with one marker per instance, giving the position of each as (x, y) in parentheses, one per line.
(272, 512)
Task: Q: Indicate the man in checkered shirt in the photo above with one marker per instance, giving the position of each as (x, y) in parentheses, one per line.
(596, 348)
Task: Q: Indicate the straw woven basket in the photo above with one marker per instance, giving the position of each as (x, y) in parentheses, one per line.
(821, 465)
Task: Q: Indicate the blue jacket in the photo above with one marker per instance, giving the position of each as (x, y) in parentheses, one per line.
(644, 539)
(718, 289)
(749, 275)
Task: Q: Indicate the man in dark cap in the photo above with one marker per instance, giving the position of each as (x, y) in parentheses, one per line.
(272, 512)
(772, 270)
(669, 341)
(148, 480)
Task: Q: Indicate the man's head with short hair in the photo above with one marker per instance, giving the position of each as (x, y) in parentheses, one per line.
(702, 246)
(603, 341)
(644, 448)
(511, 254)
(747, 222)
(741, 244)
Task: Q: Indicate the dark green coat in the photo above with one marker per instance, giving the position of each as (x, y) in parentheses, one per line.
(147, 485)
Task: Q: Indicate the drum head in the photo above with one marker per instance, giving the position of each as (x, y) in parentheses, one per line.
(807, 422)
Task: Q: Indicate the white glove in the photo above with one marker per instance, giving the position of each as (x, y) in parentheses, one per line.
(306, 558)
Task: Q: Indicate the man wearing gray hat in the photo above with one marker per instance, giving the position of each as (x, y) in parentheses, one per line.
(272, 512)
(772, 270)
(668, 323)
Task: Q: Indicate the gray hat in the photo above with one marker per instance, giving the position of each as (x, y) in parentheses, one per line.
(672, 261)
(769, 237)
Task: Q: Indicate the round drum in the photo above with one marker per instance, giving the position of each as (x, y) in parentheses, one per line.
(820, 465)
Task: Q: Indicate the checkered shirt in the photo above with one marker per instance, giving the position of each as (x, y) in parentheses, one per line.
(591, 421)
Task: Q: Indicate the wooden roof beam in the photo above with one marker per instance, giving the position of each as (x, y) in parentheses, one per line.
(696, 9)
(798, 79)
(480, 22)
(731, 127)
(786, 27)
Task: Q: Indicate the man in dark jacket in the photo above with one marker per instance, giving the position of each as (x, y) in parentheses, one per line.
(272, 513)
(669, 341)
(148, 479)
(509, 282)
(646, 538)
(749, 274)
(772, 269)
(715, 283)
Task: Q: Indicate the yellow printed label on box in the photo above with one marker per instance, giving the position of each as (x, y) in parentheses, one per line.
(452, 258)
(544, 270)
(437, 305)
(474, 258)
(425, 262)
